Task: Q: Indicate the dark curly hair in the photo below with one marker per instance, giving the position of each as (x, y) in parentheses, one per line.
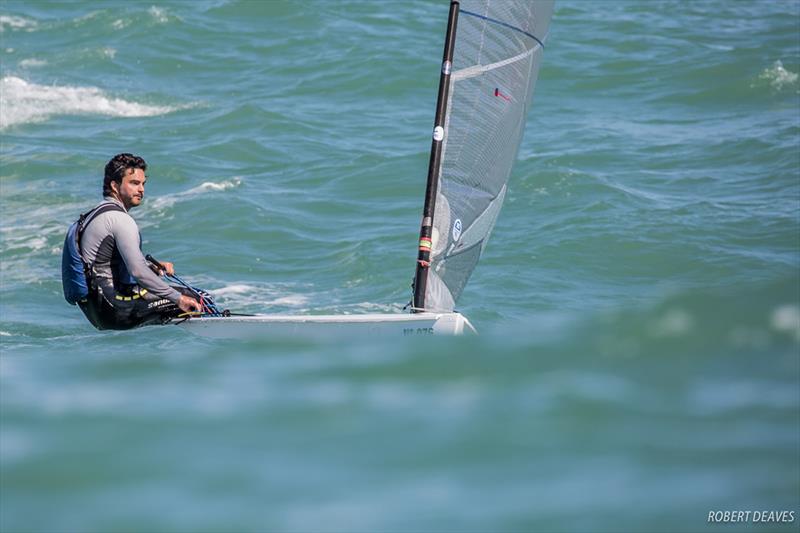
(118, 167)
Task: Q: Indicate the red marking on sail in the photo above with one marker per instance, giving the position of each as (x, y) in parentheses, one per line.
(501, 95)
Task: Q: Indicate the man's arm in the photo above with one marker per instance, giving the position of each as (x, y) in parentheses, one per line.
(126, 236)
(187, 303)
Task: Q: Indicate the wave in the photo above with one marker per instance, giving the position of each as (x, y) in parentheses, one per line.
(777, 76)
(22, 102)
(212, 186)
(17, 23)
(159, 14)
(786, 319)
(32, 62)
(208, 186)
(247, 294)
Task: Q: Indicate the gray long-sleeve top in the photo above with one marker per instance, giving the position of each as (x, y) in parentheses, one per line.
(118, 229)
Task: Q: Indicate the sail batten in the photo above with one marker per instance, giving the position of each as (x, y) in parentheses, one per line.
(497, 51)
(500, 22)
(477, 70)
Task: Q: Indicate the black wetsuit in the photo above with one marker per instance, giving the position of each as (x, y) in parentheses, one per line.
(123, 291)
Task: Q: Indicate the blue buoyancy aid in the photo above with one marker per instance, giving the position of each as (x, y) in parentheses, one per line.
(74, 271)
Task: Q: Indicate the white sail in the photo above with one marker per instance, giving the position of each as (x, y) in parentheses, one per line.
(498, 48)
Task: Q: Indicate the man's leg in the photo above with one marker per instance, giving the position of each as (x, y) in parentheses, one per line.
(101, 312)
(105, 311)
(153, 310)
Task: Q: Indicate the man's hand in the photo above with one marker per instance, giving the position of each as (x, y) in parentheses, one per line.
(169, 268)
(187, 303)
(159, 267)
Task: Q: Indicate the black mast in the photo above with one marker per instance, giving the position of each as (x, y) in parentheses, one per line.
(424, 256)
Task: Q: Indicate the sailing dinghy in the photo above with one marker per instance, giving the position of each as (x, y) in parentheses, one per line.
(492, 54)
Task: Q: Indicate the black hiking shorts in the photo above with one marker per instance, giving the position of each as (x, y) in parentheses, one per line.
(110, 309)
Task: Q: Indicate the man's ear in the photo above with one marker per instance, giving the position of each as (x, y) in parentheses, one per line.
(114, 187)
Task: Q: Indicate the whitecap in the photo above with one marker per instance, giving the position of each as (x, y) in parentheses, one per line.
(212, 186)
(234, 289)
(251, 295)
(159, 14)
(5, 334)
(208, 186)
(35, 243)
(291, 300)
(33, 62)
(786, 319)
(22, 102)
(16, 23)
(778, 76)
(371, 307)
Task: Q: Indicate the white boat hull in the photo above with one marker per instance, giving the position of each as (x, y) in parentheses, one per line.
(383, 325)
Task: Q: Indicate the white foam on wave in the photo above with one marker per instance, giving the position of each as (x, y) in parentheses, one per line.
(22, 102)
(786, 319)
(212, 186)
(291, 300)
(34, 243)
(159, 14)
(368, 307)
(258, 295)
(208, 186)
(234, 290)
(777, 76)
(32, 62)
(17, 23)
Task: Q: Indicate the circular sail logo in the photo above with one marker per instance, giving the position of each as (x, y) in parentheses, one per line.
(456, 229)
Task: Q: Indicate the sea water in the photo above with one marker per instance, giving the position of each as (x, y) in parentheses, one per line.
(638, 304)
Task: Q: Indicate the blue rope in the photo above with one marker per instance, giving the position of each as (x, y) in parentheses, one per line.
(209, 308)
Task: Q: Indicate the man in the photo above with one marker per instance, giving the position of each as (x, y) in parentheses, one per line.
(124, 291)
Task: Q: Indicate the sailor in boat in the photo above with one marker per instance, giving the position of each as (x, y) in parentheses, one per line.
(110, 279)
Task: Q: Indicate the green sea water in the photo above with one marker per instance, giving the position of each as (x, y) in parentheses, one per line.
(638, 363)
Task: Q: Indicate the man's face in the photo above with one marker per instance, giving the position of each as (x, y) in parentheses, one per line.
(131, 190)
